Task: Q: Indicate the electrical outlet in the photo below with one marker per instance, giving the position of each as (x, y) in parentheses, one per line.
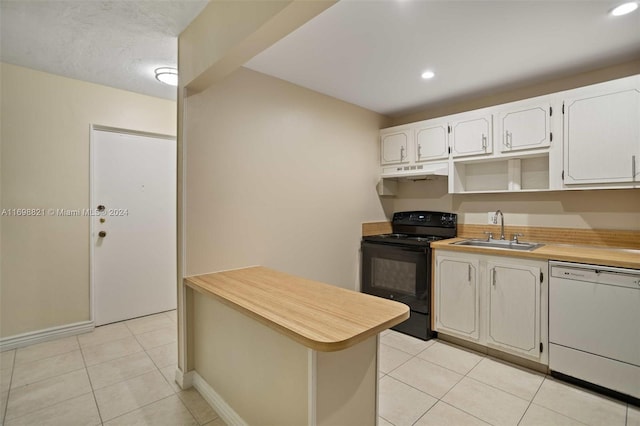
(492, 218)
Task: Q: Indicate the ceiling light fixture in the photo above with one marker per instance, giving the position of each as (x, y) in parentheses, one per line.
(624, 8)
(428, 74)
(167, 75)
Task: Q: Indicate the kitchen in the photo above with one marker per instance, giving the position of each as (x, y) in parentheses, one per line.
(288, 161)
(293, 186)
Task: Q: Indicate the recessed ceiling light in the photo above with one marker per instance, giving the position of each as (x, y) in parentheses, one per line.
(167, 75)
(625, 8)
(428, 74)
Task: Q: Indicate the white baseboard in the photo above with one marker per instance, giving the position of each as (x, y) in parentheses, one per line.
(184, 380)
(40, 336)
(215, 400)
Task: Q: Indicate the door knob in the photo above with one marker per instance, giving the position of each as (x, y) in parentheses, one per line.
(102, 234)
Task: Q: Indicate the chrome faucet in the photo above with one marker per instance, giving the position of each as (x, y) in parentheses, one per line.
(501, 224)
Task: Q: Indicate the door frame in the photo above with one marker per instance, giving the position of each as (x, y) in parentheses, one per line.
(92, 201)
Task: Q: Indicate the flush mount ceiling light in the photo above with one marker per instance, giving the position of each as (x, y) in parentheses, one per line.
(624, 8)
(167, 75)
(428, 74)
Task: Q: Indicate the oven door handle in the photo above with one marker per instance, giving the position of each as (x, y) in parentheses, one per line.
(378, 246)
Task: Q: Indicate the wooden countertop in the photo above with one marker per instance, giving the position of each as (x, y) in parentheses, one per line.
(624, 258)
(320, 316)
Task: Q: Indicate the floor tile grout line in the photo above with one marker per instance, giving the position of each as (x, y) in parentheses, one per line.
(46, 357)
(532, 398)
(48, 378)
(190, 412)
(57, 403)
(558, 412)
(140, 408)
(482, 357)
(502, 361)
(6, 407)
(504, 391)
(93, 391)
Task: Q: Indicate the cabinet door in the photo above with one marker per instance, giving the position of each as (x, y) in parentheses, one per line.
(471, 136)
(514, 308)
(457, 303)
(394, 146)
(431, 142)
(525, 128)
(602, 138)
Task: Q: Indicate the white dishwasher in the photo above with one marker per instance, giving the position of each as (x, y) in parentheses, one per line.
(594, 325)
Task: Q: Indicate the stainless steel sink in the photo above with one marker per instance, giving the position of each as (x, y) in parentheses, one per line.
(500, 244)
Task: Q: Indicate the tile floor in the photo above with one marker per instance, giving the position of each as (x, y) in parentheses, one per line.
(119, 374)
(122, 374)
(436, 383)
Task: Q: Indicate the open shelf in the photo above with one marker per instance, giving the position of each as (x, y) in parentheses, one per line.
(513, 174)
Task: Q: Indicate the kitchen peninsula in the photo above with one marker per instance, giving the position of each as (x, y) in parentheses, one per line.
(272, 348)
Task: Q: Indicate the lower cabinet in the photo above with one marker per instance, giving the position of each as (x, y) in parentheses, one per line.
(496, 301)
(458, 298)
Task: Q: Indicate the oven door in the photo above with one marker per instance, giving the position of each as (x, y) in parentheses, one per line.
(397, 272)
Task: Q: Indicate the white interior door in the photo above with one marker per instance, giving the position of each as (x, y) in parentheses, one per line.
(133, 225)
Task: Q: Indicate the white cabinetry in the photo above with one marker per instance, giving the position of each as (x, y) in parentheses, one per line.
(514, 308)
(523, 154)
(496, 301)
(526, 127)
(394, 146)
(585, 138)
(431, 141)
(602, 136)
(472, 135)
(457, 302)
(415, 150)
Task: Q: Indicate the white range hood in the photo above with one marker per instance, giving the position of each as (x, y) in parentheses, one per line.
(416, 171)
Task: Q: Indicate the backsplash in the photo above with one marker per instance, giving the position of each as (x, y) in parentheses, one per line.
(577, 236)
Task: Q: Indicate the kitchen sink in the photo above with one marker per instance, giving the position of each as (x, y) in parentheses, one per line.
(500, 244)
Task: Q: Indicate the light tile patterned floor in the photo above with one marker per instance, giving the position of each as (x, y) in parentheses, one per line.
(122, 374)
(119, 374)
(435, 383)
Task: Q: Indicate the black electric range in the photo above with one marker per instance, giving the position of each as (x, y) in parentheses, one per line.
(397, 266)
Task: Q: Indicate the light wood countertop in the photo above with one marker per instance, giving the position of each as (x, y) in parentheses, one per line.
(624, 258)
(318, 315)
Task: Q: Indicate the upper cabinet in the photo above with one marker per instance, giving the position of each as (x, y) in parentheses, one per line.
(585, 138)
(431, 141)
(394, 146)
(602, 137)
(472, 135)
(525, 128)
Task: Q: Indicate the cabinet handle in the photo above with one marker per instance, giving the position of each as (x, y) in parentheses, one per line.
(469, 273)
(493, 276)
(401, 153)
(419, 151)
(633, 167)
(508, 137)
(484, 142)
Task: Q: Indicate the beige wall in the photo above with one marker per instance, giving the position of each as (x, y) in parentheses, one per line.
(46, 120)
(602, 209)
(280, 176)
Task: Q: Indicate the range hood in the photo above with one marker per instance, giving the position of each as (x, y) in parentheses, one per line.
(416, 171)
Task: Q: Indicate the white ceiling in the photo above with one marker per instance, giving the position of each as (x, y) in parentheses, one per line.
(372, 53)
(115, 43)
